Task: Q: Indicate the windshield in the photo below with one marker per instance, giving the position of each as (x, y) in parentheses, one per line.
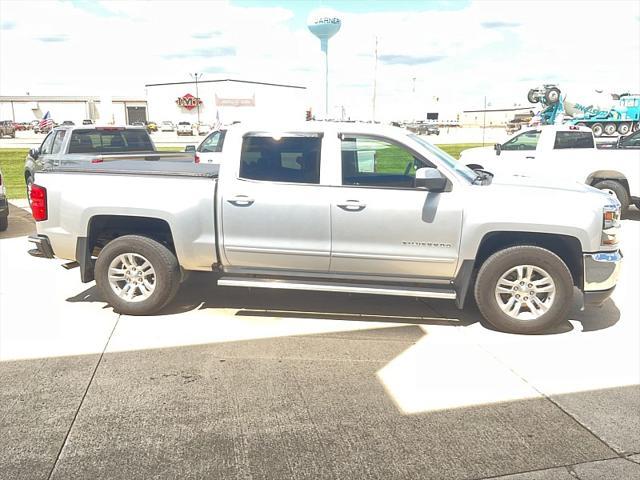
(451, 162)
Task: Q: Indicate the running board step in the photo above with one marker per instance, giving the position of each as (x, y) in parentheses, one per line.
(337, 287)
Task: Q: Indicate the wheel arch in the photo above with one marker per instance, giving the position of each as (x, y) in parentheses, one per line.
(568, 248)
(614, 175)
(102, 229)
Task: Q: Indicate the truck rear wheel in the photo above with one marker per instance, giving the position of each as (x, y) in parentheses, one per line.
(597, 129)
(618, 189)
(610, 128)
(524, 289)
(624, 128)
(137, 275)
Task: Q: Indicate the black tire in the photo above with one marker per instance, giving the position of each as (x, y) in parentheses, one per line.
(499, 263)
(624, 128)
(165, 264)
(610, 128)
(4, 223)
(597, 129)
(618, 189)
(531, 96)
(552, 96)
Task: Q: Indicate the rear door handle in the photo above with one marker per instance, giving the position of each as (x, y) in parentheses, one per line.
(531, 158)
(240, 200)
(352, 205)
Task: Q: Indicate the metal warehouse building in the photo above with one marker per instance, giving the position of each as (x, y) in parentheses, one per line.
(491, 117)
(120, 110)
(226, 100)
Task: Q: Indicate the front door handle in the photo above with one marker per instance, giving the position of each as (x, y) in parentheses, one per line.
(530, 158)
(352, 205)
(241, 200)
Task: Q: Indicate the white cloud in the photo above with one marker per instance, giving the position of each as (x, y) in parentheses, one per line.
(497, 49)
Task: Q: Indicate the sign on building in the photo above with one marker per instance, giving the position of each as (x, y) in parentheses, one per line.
(188, 101)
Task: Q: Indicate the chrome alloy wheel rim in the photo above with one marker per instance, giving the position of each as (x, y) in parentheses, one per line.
(132, 277)
(525, 292)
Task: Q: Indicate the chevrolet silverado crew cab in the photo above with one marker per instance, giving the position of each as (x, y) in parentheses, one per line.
(70, 144)
(565, 152)
(333, 207)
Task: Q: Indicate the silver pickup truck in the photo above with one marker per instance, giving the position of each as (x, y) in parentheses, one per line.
(67, 145)
(334, 207)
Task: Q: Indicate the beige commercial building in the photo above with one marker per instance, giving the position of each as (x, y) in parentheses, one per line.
(119, 110)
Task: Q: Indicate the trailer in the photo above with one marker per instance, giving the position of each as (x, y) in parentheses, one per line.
(621, 114)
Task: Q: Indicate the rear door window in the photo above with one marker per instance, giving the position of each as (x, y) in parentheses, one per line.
(573, 140)
(110, 141)
(293, 159)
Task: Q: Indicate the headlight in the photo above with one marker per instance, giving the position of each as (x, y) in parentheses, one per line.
(610, 224)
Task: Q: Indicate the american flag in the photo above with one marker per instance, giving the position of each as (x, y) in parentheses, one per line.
(46, 121)
(218, 124)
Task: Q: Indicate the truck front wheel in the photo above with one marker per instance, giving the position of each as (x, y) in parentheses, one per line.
(619, 191)
(524, 289)
(137, 275)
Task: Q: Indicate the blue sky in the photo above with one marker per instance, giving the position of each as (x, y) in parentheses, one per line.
(456, 52)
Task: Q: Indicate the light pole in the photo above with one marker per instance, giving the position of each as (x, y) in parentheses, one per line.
(196, 77)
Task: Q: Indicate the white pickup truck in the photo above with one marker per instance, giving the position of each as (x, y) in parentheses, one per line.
(565, 152)
(334, 207)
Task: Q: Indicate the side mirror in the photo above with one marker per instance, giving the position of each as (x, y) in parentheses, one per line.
(34, 153)
(431, 179)
(190, 149)
(498, 148)
(620, 142)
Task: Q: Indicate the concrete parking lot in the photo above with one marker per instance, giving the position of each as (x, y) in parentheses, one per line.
(240, 383)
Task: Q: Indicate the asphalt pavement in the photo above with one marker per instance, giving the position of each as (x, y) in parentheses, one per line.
(249, 384)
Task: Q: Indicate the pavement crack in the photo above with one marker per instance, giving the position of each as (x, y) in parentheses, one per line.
(551, 400)
(84, 395)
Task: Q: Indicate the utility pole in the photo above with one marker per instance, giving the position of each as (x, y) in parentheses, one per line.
(484, 119)
(413, 97)
(375, 83)
(196, 77)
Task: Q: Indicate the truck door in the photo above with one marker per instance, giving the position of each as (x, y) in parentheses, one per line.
(382, 224)
(520, 149)
(275, 214)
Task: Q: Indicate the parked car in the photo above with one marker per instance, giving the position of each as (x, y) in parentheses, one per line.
(73, 145)
(138, 124)
(167, 126)
(630, 142)
(7, 129)
(210, 149)
(431, 129)
(87, 121)
(184, 128)
(4, 205)
(68, 123)
(341, 207)
(567, 152)
(152, 127)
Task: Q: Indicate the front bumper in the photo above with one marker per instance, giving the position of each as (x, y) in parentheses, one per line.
(43, 246)
(601, 272)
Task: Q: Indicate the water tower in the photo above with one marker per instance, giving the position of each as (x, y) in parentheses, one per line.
(324, 24)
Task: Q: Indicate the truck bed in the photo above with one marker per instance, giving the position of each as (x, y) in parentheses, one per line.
(139, 167)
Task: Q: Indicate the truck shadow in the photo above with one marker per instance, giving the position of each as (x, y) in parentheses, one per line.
(632, 214)
(200, 292)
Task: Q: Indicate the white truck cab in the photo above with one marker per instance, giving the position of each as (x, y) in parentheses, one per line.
(564, 152)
